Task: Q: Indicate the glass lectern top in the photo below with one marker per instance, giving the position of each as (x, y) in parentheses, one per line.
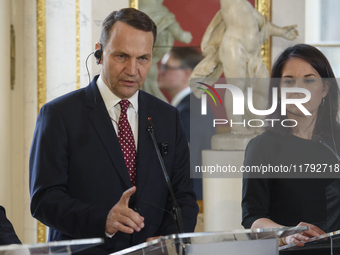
(59, 247)
(171, 244)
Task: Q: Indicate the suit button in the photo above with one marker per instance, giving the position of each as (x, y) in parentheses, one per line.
(136, 209)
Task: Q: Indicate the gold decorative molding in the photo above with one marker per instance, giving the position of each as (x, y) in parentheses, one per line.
(41, 65)
(200, 206)
(12, 57)
(41, 233)
(264, 7)
(41, 49)
(77, 46)
(133, 4)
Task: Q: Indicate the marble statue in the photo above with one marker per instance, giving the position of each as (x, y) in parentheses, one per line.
(232, 45)
(168, 29)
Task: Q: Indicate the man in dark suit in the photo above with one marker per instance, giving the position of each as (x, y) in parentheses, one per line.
(175, 70)
(7, 233)
(173, 79)
(94, 171)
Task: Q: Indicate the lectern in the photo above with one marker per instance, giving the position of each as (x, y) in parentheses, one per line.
(327, 244)
(59, 247)
(236, 242)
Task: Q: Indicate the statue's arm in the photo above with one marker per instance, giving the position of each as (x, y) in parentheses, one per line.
(287, 32)
(179, 34)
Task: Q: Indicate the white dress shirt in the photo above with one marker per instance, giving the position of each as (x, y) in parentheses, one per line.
(111, 102)
(179, 96)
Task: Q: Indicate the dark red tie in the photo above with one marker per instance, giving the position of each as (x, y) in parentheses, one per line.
(127, 142)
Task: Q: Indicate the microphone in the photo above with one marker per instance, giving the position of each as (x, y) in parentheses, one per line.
(318, 139)
(175, 212)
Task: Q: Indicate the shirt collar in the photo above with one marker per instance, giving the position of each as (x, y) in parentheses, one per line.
(110, 99)
(179, 96)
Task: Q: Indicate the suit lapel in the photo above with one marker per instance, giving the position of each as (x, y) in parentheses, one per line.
(102, 123)
(146, 149)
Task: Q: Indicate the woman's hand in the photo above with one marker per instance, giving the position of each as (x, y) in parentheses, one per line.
(297, 239)
(301, 238)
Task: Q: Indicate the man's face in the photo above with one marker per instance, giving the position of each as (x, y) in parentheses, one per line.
(126, 59)
(172, 75)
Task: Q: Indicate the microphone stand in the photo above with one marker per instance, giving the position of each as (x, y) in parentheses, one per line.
(175, 212)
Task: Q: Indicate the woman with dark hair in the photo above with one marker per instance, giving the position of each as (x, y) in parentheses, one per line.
(313, 202)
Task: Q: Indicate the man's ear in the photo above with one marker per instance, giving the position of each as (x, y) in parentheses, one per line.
(98, 53)
(97, 46)
(188, 72)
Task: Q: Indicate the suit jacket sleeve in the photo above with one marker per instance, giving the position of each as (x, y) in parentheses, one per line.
(50, 202)
(7, 233)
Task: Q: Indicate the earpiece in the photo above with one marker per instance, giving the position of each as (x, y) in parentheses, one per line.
(98, 54)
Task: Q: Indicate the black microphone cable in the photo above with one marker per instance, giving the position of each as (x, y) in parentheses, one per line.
(87, 69)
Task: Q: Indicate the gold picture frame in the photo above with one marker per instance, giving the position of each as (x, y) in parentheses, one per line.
(41, 52)
(133, 4)
(41, 80)
(264, 7)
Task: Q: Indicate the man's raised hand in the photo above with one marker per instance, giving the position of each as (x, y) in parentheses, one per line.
(122, 218)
